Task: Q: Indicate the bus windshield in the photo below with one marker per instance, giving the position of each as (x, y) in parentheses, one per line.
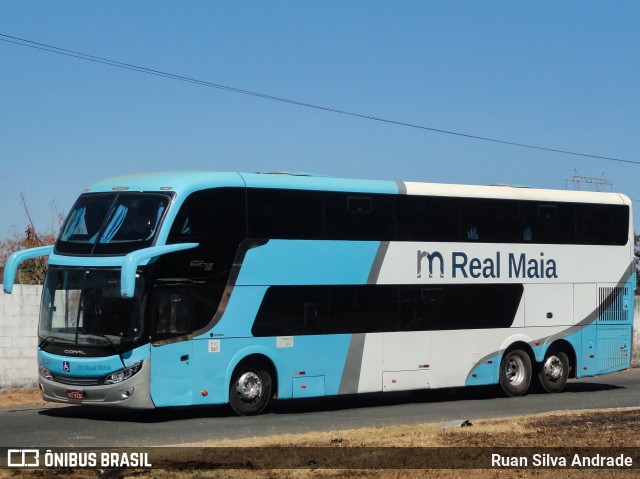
(112, 223)
(84, 308)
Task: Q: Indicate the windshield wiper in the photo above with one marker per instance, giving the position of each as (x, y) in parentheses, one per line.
(111, 343)
(46, 340)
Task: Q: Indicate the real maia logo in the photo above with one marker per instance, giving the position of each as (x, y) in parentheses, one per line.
(461, 265)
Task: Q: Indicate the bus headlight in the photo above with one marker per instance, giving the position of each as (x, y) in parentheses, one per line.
(44, 372)
(123, 374)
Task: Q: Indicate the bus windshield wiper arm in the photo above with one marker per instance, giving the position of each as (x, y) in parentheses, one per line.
(113, 346)
(46, 340)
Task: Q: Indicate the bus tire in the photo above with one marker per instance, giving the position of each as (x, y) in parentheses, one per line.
(515, 372)
(554, 372)
(250, 390)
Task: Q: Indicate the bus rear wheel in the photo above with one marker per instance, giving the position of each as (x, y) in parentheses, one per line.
(515, 373)
(250, 390)
(554, 372)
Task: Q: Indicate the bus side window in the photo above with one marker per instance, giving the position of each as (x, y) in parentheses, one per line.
(214, 213)
(360, 204)
(360, 217)
(489, 220)
(602, 224)
(548, 212)
(183, 310)
(426, 218)
(171, 312)
(285, 214)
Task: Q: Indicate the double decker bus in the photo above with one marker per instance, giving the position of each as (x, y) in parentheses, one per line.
(196, 288)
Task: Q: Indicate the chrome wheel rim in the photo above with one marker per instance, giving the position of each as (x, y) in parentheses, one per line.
(515, 371)
(553, 369)
(249, 386)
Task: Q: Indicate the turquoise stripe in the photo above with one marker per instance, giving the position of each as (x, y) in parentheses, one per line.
(90, 367)
(300, 262)
(185, 182)
(321, 183)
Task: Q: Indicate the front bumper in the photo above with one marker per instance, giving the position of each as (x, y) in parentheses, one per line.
(132, 393)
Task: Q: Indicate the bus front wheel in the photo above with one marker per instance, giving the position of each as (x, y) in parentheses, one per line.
(515, 372)
(554, 372)
(250, 391)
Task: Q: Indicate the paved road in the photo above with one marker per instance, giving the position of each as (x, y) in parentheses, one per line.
(80, 426)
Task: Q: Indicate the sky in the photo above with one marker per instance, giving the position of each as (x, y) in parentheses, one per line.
(560, 75)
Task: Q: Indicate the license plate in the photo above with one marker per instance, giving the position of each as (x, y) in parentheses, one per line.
(75, 394)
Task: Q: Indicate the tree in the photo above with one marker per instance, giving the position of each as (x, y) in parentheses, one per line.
(31, 271)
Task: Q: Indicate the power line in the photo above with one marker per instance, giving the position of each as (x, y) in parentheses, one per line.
(128, 66)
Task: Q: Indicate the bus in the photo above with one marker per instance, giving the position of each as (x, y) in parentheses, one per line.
(203, 288)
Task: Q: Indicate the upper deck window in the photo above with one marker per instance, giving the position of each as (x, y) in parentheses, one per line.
(112, 223)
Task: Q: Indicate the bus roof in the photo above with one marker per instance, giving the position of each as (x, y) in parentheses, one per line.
(186, 182)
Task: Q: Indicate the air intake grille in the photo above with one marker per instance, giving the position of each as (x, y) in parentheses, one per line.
(612, 304)
(75, 381)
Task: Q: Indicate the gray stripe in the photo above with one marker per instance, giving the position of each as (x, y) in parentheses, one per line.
(591, 317)
(607, 301)
(353, 365)
(377, 262)
(402, 187)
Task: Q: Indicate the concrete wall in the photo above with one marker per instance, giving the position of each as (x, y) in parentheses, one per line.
(18, 336)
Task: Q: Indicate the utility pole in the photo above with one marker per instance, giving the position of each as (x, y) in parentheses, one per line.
(587, 183)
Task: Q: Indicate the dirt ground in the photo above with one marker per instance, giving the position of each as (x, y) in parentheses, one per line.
(582, 429)
(14, 397)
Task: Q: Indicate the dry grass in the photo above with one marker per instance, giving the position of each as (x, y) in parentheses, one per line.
(609, 428)
(20, 396)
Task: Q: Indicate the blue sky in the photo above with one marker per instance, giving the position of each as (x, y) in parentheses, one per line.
(556, 74)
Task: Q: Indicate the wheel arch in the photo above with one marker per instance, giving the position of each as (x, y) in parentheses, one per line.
(562, 345)
(521, 344)
(257, 357)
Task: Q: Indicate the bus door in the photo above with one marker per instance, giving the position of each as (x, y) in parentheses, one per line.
(171, 350)
(171, 374)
